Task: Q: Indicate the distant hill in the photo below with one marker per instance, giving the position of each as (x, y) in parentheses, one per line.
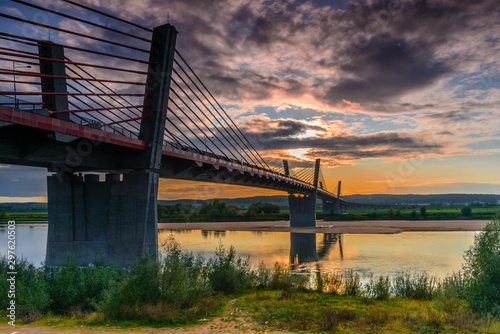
(30, 206)
(425, 199)
(282, 201)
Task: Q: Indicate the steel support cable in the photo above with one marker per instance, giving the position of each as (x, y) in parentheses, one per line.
(170, 135)
(24, 82)
(307, 168)
(72, 63)
(176, 51)
(192, 91)
(89, 106)
(40, 75)
(173, 137)
(138, 113)
(82, 20)
(100, 105)
(70, 111)
(78, 116)
(76, 48)
(208, 109)
(15, 18)
(127, 120)
(74, 94)
(175, 126)
(307, 176)
(19, 61)
(208, 118)
(86, 104)
(17, 41)
(197, 126)
(108, 15)
(190, 129)
(20, 51)
(307, 172)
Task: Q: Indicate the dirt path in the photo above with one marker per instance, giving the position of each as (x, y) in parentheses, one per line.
(233, 320)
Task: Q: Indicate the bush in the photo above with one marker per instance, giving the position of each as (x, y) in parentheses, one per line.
(32, 292)
(379, 288)
(449, 296)
(466, 211)
(78, 289)
(482, 270)
(423, 211)
(228, 274)
(414, 286)
(352, 284)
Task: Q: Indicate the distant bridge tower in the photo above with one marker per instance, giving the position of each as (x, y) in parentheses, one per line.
(330, 207)
(303, 208)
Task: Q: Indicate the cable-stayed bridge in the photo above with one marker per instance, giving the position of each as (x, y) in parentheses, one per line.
(119, 98)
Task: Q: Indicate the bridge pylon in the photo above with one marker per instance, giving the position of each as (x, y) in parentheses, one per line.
(303, 208)
(116, 220)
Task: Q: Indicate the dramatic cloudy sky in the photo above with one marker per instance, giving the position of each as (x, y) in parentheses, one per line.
(398, 96)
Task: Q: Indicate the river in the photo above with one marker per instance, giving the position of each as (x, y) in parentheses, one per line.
(437, 253)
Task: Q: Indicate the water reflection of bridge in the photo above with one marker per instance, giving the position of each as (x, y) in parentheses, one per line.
(303, 247)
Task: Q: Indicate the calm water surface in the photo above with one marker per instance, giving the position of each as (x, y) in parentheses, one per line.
(438, 253)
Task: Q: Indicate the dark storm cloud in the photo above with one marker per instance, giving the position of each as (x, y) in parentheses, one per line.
(387, 68)
(345, 143)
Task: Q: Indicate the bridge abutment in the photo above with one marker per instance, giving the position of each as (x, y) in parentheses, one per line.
(113, 220)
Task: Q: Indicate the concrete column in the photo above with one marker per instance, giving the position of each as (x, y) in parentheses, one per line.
(54, 85)
(113, 221)
(328, 207)
(303, 248)
(302, 210)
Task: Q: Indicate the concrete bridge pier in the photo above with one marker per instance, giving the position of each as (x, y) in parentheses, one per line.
(302, 210)
(113, 220)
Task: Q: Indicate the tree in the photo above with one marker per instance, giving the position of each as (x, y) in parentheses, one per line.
(4, 215)
(423, 211)
(466, 211)
(398, 213)
(413, 214)
(390, 212)
(482, 270)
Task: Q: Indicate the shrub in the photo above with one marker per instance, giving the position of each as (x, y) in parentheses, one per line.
(74, 288)
(414, 286)
(228, 274)
(449, 296)
(482, 270)
(423, 211)
(379, 288)
(32, 292)
(352, 284)
(466, 211)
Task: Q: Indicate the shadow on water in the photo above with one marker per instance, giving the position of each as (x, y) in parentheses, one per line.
(303, 247)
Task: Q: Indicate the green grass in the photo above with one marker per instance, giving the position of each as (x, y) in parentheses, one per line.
(320, 312)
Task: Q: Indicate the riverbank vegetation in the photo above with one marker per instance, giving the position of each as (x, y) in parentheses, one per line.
(181, 288)
(419, 213)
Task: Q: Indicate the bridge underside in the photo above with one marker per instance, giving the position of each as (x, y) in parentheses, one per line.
(115, 220)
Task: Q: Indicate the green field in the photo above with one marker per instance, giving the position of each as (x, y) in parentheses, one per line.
(24, 216)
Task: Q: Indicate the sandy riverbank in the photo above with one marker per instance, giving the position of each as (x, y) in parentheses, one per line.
(354, 227)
